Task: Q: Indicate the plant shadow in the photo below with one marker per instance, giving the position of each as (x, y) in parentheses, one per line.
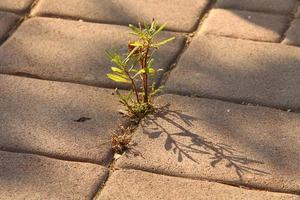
(185, 143)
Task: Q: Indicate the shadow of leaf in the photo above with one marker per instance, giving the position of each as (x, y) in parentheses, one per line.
(164, 119)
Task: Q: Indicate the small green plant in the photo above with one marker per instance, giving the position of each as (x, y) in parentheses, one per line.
(136, 66)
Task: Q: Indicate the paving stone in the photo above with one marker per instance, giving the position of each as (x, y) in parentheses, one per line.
(275, 6)
(131, 184)
(72, 51)
(7, 21)
(293, 34)
(26, 176)
(239, 70)
(128, 11)
(19, 6)
(245, 25)
(200, 138)
(62, 120)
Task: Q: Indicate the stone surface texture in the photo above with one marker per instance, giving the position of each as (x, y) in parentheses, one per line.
(136, 185)
(26, 176)
(239, 70)
(75, 50)
(245, 25)
(200, 138)
(270, 6)
(7, 21)
(128, 11)
(40, 117)
(19, 6)
(226, 126)
(293, 34)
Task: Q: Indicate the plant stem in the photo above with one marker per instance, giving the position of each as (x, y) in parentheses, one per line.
(133, 87)
(145, 75)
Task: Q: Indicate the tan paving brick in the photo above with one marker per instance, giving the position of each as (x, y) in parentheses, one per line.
(136, 185)
(239, 70)
(7, 21)
(72, 51)
(200, 138)
(293, 34)
(40, 117)
(19, 6)
(26, 176)
(275, 6)
(245, 25)
(179, 15)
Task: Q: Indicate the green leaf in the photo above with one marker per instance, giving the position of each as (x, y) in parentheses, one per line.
(155, 91)
(128, 97)
(117, 78)
(150, 70)
(118, 70)
(117, 60)
(119, 94)
(123, 75)
(121, 97)
(130, 54)
(141, 71)
(159, 29)
(109, 54)
(134, 29)
(136, 44)
(164, 42)
(133, 70)
(146, 26)
(151, 62)
(153, 25)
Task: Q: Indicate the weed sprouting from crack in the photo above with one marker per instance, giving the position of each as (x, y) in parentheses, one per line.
(135, 68)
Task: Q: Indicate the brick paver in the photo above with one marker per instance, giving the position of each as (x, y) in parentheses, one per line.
(239, 70)
(40, 117)
(7, 21)
(241, 52)
(72, 51)
(128, 11)
(19, 6)
(293, 34)
(269, 6)
(25, 176)
(201, 138)
(136, 185)
(245, 25)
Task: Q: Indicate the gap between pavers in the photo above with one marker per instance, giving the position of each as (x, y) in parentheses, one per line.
(7, 22)
(254, 146)
(239, 70)
(136, 185)
(293, 33)
(73, 51)
(27, 176)
(18, 6)
(245, 25)
(177, 14)
(62, 120)
(272, 6)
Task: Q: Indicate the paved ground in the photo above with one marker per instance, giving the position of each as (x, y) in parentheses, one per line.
(228, 124)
